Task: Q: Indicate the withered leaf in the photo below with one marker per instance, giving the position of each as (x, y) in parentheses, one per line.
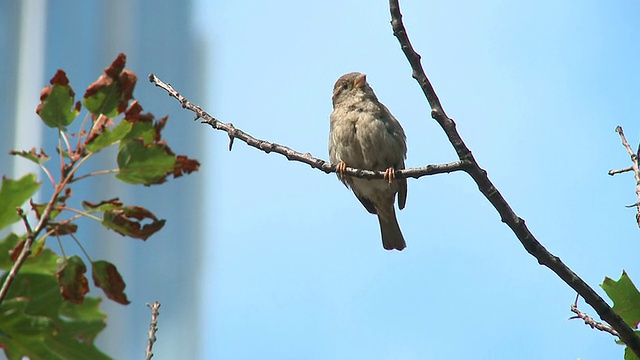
(56, 107)
(111, 93)
(105, 276)
(127, 221)
(73, 283)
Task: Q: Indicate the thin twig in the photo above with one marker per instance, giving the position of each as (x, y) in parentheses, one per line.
(99, 172)
(153, 327)
(290, 154)
(634, 167)
(620, 171)
(26, 248)
(487, 188)
(588, 320)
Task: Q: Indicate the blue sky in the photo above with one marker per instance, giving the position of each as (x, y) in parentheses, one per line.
(295, 265)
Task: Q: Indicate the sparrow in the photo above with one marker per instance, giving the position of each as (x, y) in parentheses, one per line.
(364, 135)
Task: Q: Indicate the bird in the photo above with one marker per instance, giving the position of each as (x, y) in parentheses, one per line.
(365, 135)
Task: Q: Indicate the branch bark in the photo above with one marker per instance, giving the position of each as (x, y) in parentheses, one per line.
(486, 187)
(634, 167)
(32, 234)
(293, 155)
(153, 328)
(588, 320)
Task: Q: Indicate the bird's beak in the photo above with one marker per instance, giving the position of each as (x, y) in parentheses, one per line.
(359, 81)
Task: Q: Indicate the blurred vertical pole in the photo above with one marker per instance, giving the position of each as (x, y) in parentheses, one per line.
(28, 81)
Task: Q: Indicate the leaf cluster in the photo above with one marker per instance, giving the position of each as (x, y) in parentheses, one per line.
(44, 312)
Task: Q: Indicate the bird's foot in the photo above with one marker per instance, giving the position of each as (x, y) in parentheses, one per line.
(390, 174)
(341, 167)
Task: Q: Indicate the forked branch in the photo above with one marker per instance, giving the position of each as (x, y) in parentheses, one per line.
(634, 167)
(508, 216)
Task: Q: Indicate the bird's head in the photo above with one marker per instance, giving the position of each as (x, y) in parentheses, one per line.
(351, 87)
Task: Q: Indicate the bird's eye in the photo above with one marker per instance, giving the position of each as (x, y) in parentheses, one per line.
(345, 86)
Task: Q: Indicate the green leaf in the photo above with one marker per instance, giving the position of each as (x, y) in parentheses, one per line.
(13, 194)
(144, 164)
(56, 107)
(629, 354)
(37, 324)
(87, 318)
(109, 137)
(110, 94)
(39, 210)
(73, 283)
(32, 155)
(626, 298)
(104, 101)
(142, 130)
(106, 276)
(6, 245)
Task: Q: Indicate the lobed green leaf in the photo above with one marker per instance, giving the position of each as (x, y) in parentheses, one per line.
(13, 194)
(626, 298)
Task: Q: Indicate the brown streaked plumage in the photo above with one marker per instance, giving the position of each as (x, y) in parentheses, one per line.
(364, 135)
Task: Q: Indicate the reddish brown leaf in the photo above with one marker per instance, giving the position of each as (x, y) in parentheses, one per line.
(33, 155)
(158, 126)
(124, 82)
(134, 113)
(128, 222)
(56, 107)
(114, 203)
(62, 228)
(106, 276)
(127, 83)
(15, 252)
(60, 78)
(73, 283)
(184, 165)
(117, 66)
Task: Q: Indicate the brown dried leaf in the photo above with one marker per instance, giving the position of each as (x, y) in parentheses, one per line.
(184, 165)
(106, 276)
(73, 283)
(15, 252)
(128, 222)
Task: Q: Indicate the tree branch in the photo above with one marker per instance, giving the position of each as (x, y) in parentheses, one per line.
(634, 168)
(620, 171)
(487, 188)
(32, 234)
(293, 155)
(588, 320)
(153, 327)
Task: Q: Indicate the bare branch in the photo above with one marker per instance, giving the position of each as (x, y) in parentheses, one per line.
(634, 168)
(487, 188)
(293, 155)
(588, 320)
(153, 327)
(620, 171)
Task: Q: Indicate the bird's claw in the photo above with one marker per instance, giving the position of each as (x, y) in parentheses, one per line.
(341, 167)
(390, 174)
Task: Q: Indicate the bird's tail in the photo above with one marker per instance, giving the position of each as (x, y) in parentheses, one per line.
(391, 235)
